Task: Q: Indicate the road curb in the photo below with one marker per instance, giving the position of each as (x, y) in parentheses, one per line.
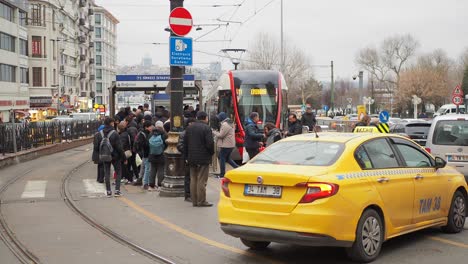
(35, 153)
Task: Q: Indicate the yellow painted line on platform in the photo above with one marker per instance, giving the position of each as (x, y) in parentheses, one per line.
(190, 234)
(450, 242)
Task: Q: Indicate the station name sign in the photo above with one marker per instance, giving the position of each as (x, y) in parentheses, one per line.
(149, 81)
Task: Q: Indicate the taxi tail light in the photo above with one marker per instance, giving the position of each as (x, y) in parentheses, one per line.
(317, 190)
(225, 186)
(428, 150)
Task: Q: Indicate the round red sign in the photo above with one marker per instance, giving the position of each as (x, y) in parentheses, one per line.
(457, 100)
(180, 21)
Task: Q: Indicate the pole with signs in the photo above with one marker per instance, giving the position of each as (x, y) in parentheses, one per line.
(416, 100)
(173, 183)
(457, 97)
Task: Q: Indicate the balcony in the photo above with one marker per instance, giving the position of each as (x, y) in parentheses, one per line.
(82, 39)
(91, 44)
(82, 57)
(82, 75)
(91, 61)
(92, 77)
(82, 22)
(82, 3)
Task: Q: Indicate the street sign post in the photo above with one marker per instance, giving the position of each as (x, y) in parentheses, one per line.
(457, 96)
(384, 116)
(180, 21)
(180, 51)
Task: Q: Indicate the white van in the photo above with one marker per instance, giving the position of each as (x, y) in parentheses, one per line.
(84, 116)
(449, 109)
(448, 138)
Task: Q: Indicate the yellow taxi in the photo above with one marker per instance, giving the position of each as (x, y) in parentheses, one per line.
(341, 189)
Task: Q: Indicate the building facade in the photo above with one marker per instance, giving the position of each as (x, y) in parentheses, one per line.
(105, 48)
(14, 94)
(60, 36)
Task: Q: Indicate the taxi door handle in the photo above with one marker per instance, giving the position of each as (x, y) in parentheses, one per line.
(382, 180)
(419, 177)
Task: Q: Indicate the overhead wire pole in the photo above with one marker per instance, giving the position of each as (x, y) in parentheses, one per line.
(282, 40)
(332, 97)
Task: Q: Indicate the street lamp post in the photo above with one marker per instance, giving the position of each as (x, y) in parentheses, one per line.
(416, 100)
(368, 100)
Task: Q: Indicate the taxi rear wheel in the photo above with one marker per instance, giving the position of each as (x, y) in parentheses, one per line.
(369, 238)
(457, 214)
(255, 245)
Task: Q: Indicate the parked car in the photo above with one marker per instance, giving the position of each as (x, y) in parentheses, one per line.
(417, 131)
(449, 109)
(448, 138)
(84, 116)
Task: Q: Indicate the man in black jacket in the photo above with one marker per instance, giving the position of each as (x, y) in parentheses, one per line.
(117, 155)
(308, 119)
(180, 148)
(198, 150)
(253, 136)
(295, 127)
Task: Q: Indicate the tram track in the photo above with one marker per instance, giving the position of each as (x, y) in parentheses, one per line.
(21, 252)
(67, 198)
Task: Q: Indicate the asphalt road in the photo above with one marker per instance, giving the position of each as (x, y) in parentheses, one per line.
(168, 226)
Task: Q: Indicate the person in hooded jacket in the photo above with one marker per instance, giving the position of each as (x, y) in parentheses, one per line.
(157, 161)
(126, 146)
(117, 155)
(272, 134)
(253, 136)
(132, 129)
(226, 141)
(142, 147)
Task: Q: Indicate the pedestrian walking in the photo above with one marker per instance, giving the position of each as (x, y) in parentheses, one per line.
(272, 134)
(180, 148)
(110, 152)
(199, 147)
(308, 119)
(157, 145)
(253, 136)
(226, 142)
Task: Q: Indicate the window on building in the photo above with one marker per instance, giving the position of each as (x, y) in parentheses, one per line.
(54, 53)
(45, 76)
(99, 74)
(37, 15)
(24, 75)
(7, 42)
(98, 87)
(23, 18)
(6, 12)
(97, 19)
(53, 19)
(98, 46)
(23, 47)
(98, 60)
(55, 76)
(7, 73)
(36, 46)
(98, 32)
(98, 100)
(37, 76)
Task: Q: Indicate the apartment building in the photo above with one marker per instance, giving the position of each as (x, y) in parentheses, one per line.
(14, 95)
(59, 56)
(105, 39)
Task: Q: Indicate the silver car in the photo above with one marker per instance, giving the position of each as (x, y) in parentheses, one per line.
(448, 138)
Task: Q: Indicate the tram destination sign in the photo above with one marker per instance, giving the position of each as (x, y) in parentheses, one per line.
(149, 81)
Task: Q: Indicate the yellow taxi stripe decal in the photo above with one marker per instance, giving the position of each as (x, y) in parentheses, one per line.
(382, 172)
(190, 234)
(450, 242)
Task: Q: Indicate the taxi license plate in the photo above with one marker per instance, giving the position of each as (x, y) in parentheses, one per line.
(263, 190)
(457, 158)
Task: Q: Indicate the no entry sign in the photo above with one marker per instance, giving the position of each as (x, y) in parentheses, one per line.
(180, 21)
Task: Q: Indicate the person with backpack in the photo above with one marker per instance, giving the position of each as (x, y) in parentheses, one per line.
(110, 152)
(272, 134)
(142, 147)
(198, 148)
(226, 141)
(157, 145)
(180, 148)
(95, 156)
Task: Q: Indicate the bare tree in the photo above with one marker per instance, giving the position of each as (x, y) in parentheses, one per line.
(265, 54)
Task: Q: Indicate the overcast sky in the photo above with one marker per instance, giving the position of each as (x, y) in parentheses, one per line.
(326, 30)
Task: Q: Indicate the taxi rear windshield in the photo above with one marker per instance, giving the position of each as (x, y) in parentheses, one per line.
(307, 153)
(451, 132)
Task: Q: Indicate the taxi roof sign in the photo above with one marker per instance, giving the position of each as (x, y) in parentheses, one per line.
(366, 129)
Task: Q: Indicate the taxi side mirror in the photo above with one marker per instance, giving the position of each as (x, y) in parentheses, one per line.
(440, 162)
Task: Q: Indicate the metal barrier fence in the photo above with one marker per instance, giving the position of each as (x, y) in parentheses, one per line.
(36, 134)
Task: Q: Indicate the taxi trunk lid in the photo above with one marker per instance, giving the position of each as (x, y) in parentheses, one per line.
(256, 187)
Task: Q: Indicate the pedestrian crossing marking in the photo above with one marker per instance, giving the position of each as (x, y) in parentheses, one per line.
(94, 187)
(34, 189)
